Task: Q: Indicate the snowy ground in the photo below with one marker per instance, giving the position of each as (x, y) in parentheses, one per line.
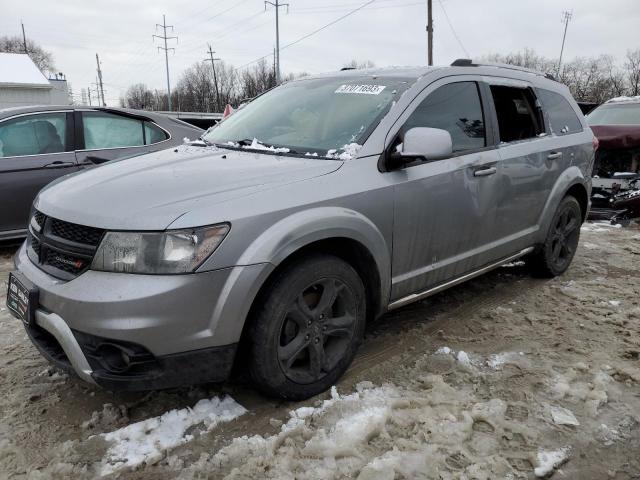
(504, 377)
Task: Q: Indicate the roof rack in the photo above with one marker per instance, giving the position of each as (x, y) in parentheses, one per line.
(467, 62)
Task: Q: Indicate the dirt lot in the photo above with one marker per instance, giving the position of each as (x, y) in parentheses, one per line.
(504, 377)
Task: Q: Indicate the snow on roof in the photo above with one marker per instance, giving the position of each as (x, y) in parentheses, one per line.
(624, 99)
(18, 69)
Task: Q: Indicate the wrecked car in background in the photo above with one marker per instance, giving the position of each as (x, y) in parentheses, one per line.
(616, 181)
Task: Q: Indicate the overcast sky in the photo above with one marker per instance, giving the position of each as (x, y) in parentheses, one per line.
(387, 32)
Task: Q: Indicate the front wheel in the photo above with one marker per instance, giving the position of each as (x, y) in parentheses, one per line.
(554, 256)
(307, 327)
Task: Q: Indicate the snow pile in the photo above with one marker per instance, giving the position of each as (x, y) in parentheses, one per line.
(462, 357)
(349, 151)
(430, 431)
(256, 145)
(598, 227)
(146, 441)
(548, 461)
(563, 416)
(497, 360)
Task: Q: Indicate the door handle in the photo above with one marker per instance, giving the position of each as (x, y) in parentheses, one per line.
(59, 164)
(485, 172)
(554, 155)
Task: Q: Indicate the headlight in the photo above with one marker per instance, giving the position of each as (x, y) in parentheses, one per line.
(173, 251)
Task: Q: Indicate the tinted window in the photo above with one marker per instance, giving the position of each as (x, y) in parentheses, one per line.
(456, 108)
(153, 133)
(33, 134)
(517, 116)
(107, 130)
(561, 116)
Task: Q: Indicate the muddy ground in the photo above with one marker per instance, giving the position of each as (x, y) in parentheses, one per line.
(506, 376)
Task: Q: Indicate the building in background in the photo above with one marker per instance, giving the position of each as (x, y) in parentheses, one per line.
(21, 83)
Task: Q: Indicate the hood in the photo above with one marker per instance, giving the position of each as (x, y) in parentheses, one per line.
(617, 137)
(149, 192)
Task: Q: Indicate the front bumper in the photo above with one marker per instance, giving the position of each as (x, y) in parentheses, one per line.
(175, 329)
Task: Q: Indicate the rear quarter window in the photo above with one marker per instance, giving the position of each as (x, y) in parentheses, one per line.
(562, 117)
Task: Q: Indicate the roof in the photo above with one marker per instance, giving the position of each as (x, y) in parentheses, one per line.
(17, 69)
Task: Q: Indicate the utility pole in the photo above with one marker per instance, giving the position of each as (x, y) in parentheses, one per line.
(99, 81)
(566, 17)
(164, 37)
(277, 6)
(215, 78)
(24, 39)
(89, 94)
(429, 32)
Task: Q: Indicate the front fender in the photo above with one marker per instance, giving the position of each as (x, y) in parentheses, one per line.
(570, 177)
(300, 229)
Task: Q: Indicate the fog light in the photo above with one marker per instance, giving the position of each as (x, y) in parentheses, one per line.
(114, 358)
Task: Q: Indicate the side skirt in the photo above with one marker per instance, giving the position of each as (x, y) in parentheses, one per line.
(414, 297)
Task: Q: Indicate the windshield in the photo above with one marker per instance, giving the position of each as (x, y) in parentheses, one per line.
(318, 117)
(615, 115)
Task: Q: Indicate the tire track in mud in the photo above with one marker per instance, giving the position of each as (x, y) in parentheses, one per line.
(421, 317)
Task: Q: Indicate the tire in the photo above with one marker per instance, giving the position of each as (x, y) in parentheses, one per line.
(554, 256)
(306, 327)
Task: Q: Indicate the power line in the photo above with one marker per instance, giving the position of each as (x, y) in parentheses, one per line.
(566, 17)
(304, 37)
(453, 30)
(100, 80)
(277, 6)
(429, 32)
(166, 51)
(215, 78)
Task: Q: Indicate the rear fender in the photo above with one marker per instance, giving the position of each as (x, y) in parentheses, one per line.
(570, 177)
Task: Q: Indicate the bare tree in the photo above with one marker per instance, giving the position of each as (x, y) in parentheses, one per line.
(632, 67)
(138, 96)
(359, 65)
(590, 79)
(42, 58)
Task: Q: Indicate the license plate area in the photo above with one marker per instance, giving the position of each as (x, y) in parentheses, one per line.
(22, 298)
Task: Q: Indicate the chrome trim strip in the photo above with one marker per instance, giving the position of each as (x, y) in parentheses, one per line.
(414, 297)
(56, 326)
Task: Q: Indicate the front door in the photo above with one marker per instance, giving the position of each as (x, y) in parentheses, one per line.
(35, 149)
(445, 210)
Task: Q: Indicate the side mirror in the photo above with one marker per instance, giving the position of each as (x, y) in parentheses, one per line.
(421, 143)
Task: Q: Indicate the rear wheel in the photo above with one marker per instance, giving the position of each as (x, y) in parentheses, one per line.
(554, 256)
(307, 327)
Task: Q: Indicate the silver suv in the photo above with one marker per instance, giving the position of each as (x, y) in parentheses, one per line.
(272, 240)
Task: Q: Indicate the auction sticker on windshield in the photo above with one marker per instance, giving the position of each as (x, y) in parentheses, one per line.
(362, 89)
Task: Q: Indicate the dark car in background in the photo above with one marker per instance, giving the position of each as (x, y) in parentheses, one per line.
(41, 143)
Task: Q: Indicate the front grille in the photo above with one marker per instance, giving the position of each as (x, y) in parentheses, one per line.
(62, 249)
(76, 233)
(39, 218)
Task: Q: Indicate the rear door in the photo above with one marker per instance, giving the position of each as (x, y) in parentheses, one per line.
(35, 149)
(530, 163)
(109, 135)
(444, 210)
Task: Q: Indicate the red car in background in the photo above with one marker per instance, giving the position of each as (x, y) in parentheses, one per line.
(616, 173)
